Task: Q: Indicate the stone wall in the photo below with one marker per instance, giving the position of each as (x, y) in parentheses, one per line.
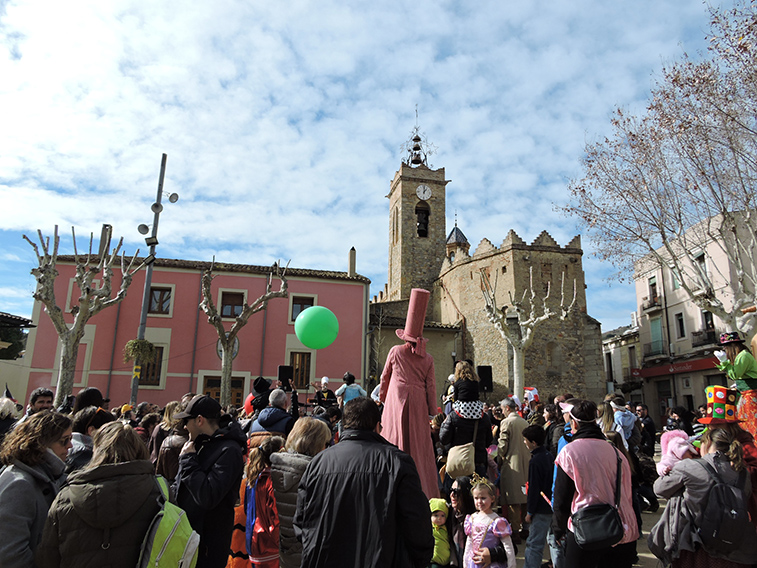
(565, 356)
(414, 261)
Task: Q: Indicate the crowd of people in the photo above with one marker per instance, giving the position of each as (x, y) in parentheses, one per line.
(363, 481)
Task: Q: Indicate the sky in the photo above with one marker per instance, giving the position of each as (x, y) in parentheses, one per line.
(284, 122)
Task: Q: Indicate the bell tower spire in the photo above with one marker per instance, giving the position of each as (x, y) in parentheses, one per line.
(417, 235)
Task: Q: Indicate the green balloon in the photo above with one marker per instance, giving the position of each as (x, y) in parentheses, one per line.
(316, 327)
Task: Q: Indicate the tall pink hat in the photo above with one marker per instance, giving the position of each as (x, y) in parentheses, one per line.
(416, 315)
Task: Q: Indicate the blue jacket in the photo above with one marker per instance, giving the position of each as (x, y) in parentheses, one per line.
(273, 419)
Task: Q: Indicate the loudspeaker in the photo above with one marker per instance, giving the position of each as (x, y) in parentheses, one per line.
(286, 374)
(484, 373)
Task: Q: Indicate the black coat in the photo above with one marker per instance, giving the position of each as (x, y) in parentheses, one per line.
(360, 503)
(540, 470)
(456, 431)
(207, 487)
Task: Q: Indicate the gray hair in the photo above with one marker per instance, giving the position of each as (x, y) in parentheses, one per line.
(8, 409)
(509, 403)
(278, 398)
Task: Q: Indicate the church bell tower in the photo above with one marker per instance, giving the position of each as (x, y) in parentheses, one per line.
(417, 228)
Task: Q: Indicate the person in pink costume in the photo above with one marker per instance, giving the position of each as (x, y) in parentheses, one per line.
(675, 447)
(485, 529)
(408, 391)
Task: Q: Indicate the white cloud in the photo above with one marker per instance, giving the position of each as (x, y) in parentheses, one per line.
(283, 122)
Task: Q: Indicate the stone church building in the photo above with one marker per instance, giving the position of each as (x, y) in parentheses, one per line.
(565, 356)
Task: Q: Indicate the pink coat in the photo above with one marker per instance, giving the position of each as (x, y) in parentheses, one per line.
(408, 391)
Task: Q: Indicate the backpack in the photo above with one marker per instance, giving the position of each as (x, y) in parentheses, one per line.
(725, 522)
(170, 540)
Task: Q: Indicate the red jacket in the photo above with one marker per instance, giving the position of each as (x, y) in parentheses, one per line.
(262, 534)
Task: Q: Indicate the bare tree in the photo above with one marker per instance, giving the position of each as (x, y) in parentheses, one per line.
(226, 338)
(679, 181)
(518, 323)
(92, 299)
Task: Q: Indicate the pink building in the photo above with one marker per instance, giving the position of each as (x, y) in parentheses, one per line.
(188, 359)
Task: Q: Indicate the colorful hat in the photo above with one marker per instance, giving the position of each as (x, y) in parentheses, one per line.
(730, 337)
(416, 315)
(438, 505)
(721, 405)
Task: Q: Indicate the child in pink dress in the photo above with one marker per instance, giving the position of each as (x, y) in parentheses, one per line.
(485, 528)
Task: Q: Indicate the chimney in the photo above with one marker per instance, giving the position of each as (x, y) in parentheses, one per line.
(351, 272)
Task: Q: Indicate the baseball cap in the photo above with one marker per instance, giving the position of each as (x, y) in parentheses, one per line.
(200, 405)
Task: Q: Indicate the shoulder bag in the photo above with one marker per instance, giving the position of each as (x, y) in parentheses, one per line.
(461, 460)
(597, 527)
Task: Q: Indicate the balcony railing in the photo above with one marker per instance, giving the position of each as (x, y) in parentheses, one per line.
(651, 304)
(704, 337)
(654, 348)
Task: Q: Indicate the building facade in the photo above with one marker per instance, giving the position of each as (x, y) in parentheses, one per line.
(565, 356)
(188, 355)
(677, 337)
(621, 351)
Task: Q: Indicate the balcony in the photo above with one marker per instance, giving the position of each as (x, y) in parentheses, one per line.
(652, 304)
(704, 337)
(654, 348)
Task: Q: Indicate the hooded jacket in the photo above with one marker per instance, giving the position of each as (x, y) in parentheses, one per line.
(687, 488)
(273, 419)
(360, 503)
(286, 472)
(625, 420)
(100, 517)
(26, 493)
(207, 485)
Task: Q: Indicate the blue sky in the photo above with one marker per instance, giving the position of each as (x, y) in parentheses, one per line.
(283, 122)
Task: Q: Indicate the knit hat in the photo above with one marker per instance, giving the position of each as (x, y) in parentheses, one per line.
(721, 405)
(416, 315)
(438, 505)
(324, 381)
(126, 408)
(730, 337)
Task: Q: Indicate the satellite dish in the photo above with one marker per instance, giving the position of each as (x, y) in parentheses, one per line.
(143, 229)
(156, 208)
(173, 198)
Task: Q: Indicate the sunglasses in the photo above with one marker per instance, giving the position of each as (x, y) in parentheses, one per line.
(86, 428)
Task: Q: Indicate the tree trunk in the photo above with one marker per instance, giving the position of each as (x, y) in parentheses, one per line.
(67, 371)
(519, 372)
(227, 357)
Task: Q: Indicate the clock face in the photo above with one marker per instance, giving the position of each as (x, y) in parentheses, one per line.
(423, 191)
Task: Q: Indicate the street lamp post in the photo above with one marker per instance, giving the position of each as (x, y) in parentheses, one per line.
(152, 242)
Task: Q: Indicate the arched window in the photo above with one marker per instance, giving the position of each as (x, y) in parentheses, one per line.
(422, 213)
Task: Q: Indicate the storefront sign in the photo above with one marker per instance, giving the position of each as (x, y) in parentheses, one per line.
(705, 364)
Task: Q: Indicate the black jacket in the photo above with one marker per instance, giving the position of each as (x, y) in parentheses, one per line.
(456, 431)
(207, 487)
(540, 469)
(360, 503)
